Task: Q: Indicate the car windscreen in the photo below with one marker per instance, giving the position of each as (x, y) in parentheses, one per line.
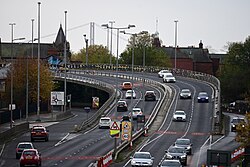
(143, 156)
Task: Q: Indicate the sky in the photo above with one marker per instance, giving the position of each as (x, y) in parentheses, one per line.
(215, 22)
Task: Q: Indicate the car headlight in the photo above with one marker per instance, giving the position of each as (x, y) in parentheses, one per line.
(233, 125)
(133, 161)
(169, 156)
(206, 97)
(188, 147)
(183, 157)
(199, 98)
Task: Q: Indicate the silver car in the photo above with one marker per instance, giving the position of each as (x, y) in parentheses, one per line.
(186, 143)
(142, 159)
(178, 153)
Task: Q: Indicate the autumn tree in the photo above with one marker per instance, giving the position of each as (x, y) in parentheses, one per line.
(243, 131)
(97, 54)
(19, 82)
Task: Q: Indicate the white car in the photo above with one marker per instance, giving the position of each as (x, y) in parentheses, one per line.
(162, 72)
(135, 112)
(179, 115)
(129, 94)
(104, 122)
(185, 94)
(168, 77)
(142, 159)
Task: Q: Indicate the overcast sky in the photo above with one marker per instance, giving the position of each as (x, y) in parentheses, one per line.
(215, 22)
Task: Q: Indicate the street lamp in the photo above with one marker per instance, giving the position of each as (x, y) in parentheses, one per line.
(176, 21)
(117, 56)
(38, 66)
(11, 81)
(27, 71)
(86, 41)
(65, 64)
(133, 53)
(111, 37)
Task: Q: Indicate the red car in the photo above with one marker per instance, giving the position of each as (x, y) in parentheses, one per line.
(30, 157)
(39, 133)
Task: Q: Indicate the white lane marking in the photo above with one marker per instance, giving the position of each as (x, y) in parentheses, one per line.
(62, 141)
(2, 150)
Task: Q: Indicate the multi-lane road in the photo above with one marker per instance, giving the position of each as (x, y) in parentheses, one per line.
(81, 149)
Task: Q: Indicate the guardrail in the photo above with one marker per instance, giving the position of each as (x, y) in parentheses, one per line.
(210, 79)
(152, 117)
(93, 83)
(213, 81)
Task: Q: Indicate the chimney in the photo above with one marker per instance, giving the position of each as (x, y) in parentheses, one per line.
(201, 44)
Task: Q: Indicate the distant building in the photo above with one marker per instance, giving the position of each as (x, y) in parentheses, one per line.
(192, 58)
(53, 53)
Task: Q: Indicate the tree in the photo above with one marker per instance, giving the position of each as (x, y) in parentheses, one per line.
(97, 54)
(154, 56)
(243, 131)
(235, 80)
(19, 82)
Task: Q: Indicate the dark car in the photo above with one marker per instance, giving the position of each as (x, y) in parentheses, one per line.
(236, 121)
(176, 152)
(39, 133)
(185, 94)
(186, 143)
(122, 106)
(30, 157)
(21, 146)
(203, 97)
(150, 95)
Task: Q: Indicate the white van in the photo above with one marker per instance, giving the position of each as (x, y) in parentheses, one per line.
(104, 122)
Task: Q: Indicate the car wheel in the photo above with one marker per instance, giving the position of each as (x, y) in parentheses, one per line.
(17, 156)
(46, 139)
(32, 139)
(21, 165)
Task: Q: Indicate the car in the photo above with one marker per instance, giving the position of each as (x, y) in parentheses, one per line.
(126, 85)
(203, 97)
(38, 125)
(235, 122)
(135, 112)
(30, 157)
(176, 152)
(130, 93)
(21, 146)
(168, 77)
(162, 72)
(39, 133)
(126, 118)
(142, 159)
(171, 163)
(150, 95)
(185, 94)
(104, 122)
(179, 115)
(186, 143)
(122, 106)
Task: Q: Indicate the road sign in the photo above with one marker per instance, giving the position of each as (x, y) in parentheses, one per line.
(115, 129)
(126, 130)
(57, 98)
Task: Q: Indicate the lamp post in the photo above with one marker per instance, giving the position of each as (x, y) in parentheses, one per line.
(27, 71)
(176, 21)
(11, 80)
(117, 56)
(111, 38)
(65, 64)
(38, 66)
(86, 41)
